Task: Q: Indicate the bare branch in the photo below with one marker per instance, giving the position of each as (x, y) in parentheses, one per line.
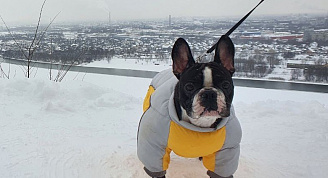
(8, 70)
(37, 27)
(44, 32)
(36, 72)
(84, 76)
(76, 75)
(77, 57)
(3, 72)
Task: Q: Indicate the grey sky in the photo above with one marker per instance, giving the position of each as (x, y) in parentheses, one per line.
(97, 10)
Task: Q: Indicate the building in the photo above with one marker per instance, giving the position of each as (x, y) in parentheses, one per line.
(316, 35)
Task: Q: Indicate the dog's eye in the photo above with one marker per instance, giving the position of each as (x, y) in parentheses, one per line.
(189, 87)
(226, 85)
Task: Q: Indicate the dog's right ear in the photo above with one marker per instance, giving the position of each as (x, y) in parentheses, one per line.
(181, 56)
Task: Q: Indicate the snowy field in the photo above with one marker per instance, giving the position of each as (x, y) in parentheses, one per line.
(86, 126)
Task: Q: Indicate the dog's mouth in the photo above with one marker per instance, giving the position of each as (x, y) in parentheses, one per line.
(217, 110)
(202, 112)
(204, 117)
(208, 112)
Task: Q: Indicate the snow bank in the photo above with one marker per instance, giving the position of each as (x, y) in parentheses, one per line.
(71, 129)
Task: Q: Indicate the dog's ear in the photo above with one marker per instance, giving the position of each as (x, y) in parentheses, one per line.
(225, 53)
(181, 56)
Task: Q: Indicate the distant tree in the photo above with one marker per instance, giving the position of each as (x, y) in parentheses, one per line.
(289, 54)
(320, 61)
(316, 74)
(272, 58)
(296, 73)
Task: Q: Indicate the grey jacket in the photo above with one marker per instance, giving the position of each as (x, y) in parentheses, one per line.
(160, 132)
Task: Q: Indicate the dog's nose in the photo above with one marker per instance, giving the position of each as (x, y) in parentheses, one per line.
(209, 100)
(208, 95)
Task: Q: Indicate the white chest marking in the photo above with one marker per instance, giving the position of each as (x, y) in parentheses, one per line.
(208, 79)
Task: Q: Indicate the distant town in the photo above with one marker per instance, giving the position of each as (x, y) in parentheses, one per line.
(295, 46)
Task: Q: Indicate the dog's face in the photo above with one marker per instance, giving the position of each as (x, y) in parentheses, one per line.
(205, 91)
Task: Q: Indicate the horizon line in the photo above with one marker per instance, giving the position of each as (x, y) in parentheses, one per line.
(113, 21)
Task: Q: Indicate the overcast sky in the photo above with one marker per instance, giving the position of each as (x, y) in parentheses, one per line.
(97, 10)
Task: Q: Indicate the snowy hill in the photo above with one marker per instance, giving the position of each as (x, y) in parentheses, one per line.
(86, 126)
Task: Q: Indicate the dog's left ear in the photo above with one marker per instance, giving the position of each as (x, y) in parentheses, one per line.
(225, 53)
(181, 56)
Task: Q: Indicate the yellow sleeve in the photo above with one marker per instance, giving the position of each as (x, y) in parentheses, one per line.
(146, 102)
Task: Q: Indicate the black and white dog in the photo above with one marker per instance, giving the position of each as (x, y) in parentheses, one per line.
(189, 111)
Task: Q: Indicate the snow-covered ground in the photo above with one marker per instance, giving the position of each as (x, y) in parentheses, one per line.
(86, 126)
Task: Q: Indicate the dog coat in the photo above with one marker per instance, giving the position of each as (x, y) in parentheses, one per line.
(160, 132)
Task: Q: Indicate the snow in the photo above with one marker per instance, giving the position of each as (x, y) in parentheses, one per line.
(280, 72)
(86, 126)
(137, 64)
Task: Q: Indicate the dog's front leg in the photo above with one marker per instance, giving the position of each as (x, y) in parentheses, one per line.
(152, 142)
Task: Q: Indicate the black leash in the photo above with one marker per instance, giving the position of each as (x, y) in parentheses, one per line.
(230, 31)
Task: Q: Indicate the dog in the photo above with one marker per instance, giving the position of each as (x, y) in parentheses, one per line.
(188, 110)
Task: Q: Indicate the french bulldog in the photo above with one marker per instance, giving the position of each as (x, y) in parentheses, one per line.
(188, 110)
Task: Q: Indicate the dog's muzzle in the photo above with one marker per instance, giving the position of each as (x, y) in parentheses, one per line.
(208, 99)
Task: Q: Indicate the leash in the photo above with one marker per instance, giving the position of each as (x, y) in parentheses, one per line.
(200, 58)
